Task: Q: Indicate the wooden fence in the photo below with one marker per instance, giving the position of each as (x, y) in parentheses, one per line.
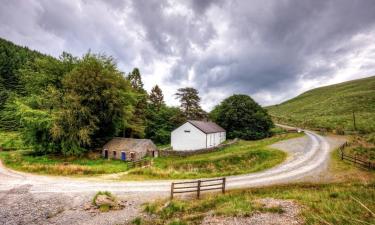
(139, 163)
(355, 159)
(198, 186)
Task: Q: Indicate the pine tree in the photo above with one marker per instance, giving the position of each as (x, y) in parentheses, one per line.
(156, 97)
(136, 125)
(135, 80)
(190, 100)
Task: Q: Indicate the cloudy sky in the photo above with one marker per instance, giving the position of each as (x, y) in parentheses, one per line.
(272, 50)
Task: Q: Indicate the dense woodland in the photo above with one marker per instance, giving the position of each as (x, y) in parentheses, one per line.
(68, 105)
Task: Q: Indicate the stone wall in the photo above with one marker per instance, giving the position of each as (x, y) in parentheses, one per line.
(196, 152)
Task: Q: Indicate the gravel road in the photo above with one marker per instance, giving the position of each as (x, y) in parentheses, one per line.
(306, 156)
(34, 199)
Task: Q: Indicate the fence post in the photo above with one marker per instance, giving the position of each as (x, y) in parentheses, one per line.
(172, 187)
(199, 189)
(223, 185)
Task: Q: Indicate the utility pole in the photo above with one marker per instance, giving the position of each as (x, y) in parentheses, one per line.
(354, 124)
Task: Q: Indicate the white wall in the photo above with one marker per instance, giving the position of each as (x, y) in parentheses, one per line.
(214, 139)
(185, 141)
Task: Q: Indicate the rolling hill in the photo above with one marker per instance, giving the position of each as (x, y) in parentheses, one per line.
(332, 107)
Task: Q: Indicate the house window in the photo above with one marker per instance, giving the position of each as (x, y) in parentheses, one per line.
(187, 131)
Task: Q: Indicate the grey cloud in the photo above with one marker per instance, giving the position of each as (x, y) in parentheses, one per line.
(253, 47)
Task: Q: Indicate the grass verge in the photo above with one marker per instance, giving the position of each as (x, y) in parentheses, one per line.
(340, 203)
(57, 165)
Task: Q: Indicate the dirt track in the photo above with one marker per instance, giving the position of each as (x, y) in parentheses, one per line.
(307, 157)
(32, 199)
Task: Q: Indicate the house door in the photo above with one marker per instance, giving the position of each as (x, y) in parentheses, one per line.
(132, 156)
(123, 156)
(106, 154)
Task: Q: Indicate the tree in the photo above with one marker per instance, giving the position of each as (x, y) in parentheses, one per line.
(91, 101)
(136, 80)
(242, 117)
(156, 97)
(136, 125)
(190, 100)
(161, 122)
(95, 104)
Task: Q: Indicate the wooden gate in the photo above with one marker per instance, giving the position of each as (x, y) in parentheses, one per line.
(198, 186)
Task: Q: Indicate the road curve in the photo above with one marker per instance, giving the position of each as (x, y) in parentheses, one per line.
(315, 155)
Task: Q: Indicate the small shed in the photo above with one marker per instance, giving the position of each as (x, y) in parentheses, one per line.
(194, 135)
(129, 149)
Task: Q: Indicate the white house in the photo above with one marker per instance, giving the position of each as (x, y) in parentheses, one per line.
(194, 135)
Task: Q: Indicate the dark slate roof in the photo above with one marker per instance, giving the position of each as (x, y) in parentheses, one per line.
(207, 127)
(127, 144)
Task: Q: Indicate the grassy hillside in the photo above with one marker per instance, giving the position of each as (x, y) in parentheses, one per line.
(332, 107)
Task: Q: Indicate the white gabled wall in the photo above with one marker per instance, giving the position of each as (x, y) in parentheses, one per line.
(214, 139)
(181, 140)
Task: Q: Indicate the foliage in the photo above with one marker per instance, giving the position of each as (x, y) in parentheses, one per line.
(94, 105)
(190, 100)
(88, 99)
(242, 118)
(161, 122)
(12, 58)
(136, 125)
(11, 140)
(156, 97)
(332, 107)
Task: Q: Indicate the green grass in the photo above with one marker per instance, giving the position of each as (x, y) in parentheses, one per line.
(322, 203)
(331, 107)
(332, 203)
(11, 140)
(57, 165)
(242, 157)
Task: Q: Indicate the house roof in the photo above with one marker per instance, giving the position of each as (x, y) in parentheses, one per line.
(207, 127)
(129, 144)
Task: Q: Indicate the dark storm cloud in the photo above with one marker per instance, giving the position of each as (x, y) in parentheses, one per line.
(278, 42)
(268, 49)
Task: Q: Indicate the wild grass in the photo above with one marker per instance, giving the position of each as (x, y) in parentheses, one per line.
(332, 107)
(342, 203)
(349, 200)
(57, 165)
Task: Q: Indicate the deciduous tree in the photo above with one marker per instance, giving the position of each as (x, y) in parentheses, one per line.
(242, 118)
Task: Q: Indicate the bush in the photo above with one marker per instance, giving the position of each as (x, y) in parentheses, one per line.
(242, 118)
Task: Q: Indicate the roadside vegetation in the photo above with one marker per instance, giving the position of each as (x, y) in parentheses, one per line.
(242, 157)
(91, 164)
(348, 199)
(332, 108)
(342, 203)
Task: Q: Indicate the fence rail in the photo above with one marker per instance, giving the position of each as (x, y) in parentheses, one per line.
(139, 163)
(355, 159)
(198, 186)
